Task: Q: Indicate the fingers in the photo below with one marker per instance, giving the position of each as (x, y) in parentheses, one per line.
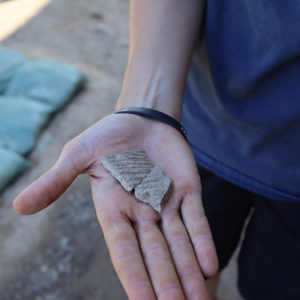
(51, 185)
(126, 257)
(196, 223)
(158, 261)
(184, 257)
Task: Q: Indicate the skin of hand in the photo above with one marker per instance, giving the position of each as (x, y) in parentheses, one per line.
(155, 256)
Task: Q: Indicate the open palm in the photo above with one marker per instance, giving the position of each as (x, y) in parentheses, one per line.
(163, 257)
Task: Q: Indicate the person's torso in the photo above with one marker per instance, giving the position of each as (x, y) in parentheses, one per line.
(242, 101)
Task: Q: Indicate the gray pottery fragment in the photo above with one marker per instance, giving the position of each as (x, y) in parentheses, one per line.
(154, 189)
(129, 168)
(134, 170)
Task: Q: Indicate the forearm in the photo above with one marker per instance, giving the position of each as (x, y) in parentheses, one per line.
(162, 37)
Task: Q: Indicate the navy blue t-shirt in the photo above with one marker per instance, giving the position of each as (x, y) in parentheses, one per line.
(242, 100)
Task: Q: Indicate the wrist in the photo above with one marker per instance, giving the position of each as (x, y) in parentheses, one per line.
(155, 115)
(164, 105)
(153, 89)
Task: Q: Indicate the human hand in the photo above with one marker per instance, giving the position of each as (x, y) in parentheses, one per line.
(155, 257)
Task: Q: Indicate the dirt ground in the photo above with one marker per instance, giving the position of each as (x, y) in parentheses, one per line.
(60, 253)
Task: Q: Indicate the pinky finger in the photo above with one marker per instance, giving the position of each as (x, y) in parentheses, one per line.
(198, 228)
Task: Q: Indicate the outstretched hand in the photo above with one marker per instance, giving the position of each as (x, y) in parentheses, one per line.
(155, 257)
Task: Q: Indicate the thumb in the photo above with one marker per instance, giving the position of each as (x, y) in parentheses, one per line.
(47, 189)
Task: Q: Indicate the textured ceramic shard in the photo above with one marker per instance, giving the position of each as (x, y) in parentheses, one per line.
(134, 170)
(154, 189)
(129, 168)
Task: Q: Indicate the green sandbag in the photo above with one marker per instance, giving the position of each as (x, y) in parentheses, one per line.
(48, 81)
(10, 61)
(11, 165)
(21, 120)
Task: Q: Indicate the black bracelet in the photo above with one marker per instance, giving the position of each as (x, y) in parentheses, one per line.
(154, 114)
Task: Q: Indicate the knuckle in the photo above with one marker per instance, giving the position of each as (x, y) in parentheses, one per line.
(124, 250)
(169, 217)
(189, 273)
(111, 223)
(75, 148)
(170, 221)
(147, 226)
(180, 240)
(158, 251)
(199, 228)
(197, 215)
(71, 152)
(212, 267)
(170, 291)
(199, 240)
(180, 243)
(140, 289)
(112, 219)
(69, 147)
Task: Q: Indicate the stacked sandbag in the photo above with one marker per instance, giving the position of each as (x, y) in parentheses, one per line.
(21, 121)
(10, 61)
(31, 92)
(47, 81)
(11, 165)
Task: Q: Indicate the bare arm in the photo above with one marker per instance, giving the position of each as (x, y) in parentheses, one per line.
(162, 37)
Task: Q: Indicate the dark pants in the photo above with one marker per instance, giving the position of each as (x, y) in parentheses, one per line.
(269, 259)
